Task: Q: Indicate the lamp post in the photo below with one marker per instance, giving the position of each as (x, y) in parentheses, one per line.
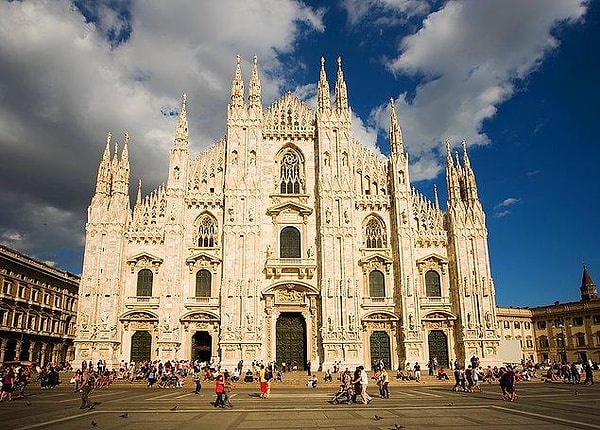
(564, 342)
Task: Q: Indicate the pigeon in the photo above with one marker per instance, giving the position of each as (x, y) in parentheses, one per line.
(576, 393)
(377, 418)
(398, 427)
(28, 403)
(94, 424)
(451, 404)
(125, 415)
(173, 408)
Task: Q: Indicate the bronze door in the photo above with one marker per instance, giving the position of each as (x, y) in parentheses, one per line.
(141, 346)
(201, 346)
(291, 340)
(380, 348)
(438, 347)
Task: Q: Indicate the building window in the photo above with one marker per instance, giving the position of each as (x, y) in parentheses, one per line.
(544, 342)
(506, 324)
(290, 174)
(34, 295)
(6, 287)
(580, 338)
(433, 287)
(22, 291)
(558, 323)
(374, 234)
(517, 325)
(596, 319)
(203, 283)
(46, 299)
(527, 326)
(529, 343)
(541, 324)
(376, 284)
(578, 321)
(560, 341)
(144, 283)
(207, 232)
(289, 243)
(57, 301)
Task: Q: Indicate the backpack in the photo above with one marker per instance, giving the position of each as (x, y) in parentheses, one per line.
(268, 375)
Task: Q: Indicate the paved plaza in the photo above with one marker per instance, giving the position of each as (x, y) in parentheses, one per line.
(291, 406)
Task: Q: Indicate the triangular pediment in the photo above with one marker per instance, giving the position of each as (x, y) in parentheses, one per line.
(288, 206)
(433, 257)
(202, 255)
(145, 256)
(289, 117)
(376, 257)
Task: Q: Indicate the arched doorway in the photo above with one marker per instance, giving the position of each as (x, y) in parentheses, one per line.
(291, 339)
(438, 347)
(201, 346)
(380, 348)
(141, 346)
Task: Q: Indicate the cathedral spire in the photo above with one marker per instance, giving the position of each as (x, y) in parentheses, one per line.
(452, 184)
(323, 98)
(471, 184)
(341, 94)
(254, 96)
(396, 141)
(588, 288)
(121, 168)
(436, 200)
(103, 180)
(181, 130)
(237, 86)
(138, 199)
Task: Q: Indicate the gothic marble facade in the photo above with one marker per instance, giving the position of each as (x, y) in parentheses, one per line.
(287, 239)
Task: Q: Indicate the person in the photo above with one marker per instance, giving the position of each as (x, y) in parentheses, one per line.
(364, 382)
(268, 379)
(262, 381)
(328, 376)
(308, 368)
(417, 369)
(459, 380)
(198, 382)
(21, 381)
(229, 385)
(87, 385)
(384, 384)
(219, 390)
(312, 382)
(589, 374)
(8, 384)
(442, 375)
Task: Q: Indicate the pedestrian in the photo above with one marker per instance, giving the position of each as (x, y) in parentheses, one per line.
(589, 374)
(417, 370)
(8, 384)
(219, 391)
(364, 382)
(308, 368)
(198, 382)
(262, 381)
(88, 382)
(385, 382)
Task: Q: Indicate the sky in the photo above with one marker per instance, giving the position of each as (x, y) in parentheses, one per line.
(517, 80)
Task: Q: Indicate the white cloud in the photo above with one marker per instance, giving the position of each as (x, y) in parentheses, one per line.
(507, 202)
(469, 56)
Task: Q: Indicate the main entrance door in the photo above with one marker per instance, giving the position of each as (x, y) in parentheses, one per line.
(380, 348)
(291, 339)
(141, 346)
(201, 346)
(438, 347)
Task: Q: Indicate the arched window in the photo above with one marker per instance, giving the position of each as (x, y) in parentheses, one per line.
(203, 283)
(144, 283)
(376, 284)
(290, 173)
(289, 243)
(207, 232)
(433, 287)
(374, 234)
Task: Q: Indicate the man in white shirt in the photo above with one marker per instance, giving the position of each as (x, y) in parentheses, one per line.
(364, 381)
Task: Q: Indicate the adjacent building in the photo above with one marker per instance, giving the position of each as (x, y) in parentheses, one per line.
(286, 240)
(38, 305)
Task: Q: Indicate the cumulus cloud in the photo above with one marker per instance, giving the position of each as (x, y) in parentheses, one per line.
(71, 72)
(469, 56)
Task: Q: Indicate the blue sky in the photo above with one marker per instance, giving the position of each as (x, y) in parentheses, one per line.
(517, 80)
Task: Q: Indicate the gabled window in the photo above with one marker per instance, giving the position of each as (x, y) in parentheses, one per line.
(289, 243)
(376, 284)
(433, 287)
(203, 283)
(144, 283)
(289, 180)
(207, 232)
(375, 234)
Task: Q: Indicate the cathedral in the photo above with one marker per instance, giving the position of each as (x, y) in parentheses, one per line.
(286, 240)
